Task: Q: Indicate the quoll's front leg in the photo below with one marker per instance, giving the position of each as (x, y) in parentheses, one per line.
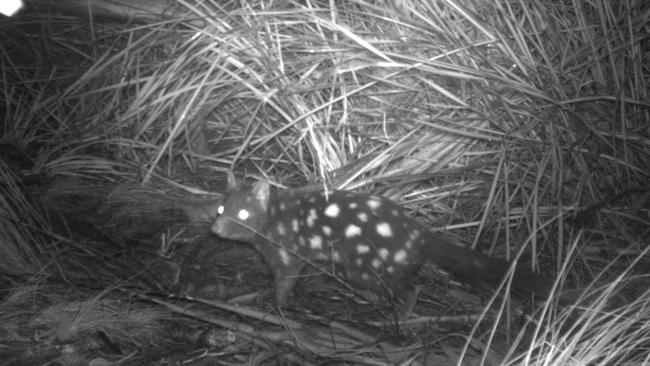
(286, 270)
(285, 279)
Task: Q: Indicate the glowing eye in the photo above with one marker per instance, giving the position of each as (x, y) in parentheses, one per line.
(243, 214)
(220, 210)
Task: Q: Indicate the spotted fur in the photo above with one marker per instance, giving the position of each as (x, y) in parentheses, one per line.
(375, 246)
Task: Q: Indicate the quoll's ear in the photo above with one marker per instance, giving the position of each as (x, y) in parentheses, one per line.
(261, 192)
(232, 181)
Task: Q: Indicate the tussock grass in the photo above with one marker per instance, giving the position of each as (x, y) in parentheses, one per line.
(517, 127)
(608, 324)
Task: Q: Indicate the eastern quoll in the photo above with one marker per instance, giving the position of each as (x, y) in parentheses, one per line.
(370, 240)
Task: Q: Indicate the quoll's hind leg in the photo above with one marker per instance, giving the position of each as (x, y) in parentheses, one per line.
(407, 300)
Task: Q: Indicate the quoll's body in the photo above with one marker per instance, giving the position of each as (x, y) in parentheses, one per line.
(371, 241)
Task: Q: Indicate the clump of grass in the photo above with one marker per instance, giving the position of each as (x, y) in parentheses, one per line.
(607, 324)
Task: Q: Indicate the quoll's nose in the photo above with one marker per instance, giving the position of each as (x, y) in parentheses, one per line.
(218, 227)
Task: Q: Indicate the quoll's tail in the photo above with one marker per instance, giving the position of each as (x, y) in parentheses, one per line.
(474, 266)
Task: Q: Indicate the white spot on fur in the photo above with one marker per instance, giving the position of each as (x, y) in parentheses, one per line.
(384, 253)
(327, 230)
(363, 249)
(336, 257)
(316, 242)
(373, 203)
(243, 215)
(365, 276)
(352, 230)
(394, 212)
(294, 225)
(332, 210)
(400, 256)
(312, 216)
(353, 205)
(281, 229)
(376, 263)
(390, 269)
(362, 216)
(284, 256)
(409, 244)
(414, 234)
(302, 241)
(220, 209)
(282, 206)
(384, 229)
(359, 262)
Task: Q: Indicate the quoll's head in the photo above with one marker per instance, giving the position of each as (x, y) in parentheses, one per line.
(244, 212)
